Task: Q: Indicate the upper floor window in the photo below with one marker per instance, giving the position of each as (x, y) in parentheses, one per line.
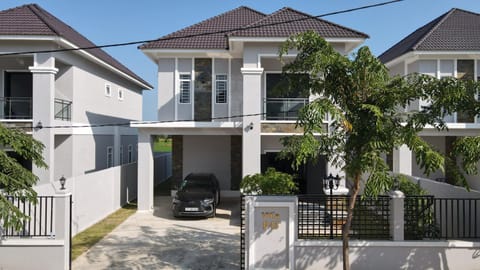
(120, 94)
(108, 90)
(130, 153)
(221, 88)
(185, 88)
(109, 156)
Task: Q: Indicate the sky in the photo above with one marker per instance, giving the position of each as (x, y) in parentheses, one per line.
(117, 21)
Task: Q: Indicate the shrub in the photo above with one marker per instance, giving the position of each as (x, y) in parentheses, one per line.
(270, 183)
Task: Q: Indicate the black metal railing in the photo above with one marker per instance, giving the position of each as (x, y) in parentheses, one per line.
(419, 222)
(15, 108)
(63, 109)
(323, 217)
(242, 232)
(41, 218)
(457, 218)
(283, 108)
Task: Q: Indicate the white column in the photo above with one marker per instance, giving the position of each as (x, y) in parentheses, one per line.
(43, 96)
(62, 223)
(251, 140)
(145, 171)
(116, 146)
(402, 160)
(397, 215)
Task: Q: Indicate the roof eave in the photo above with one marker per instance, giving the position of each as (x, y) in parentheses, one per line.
(156, 53)
(97, 60)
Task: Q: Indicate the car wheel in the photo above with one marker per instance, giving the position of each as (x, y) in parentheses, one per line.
(214, 211)
(217, 197)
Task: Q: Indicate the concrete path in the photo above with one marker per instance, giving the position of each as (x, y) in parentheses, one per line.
(158, 241)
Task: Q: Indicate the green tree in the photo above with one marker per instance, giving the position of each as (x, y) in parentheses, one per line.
(365, 106)
(15, 180)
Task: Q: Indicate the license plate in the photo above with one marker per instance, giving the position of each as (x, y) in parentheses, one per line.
(191, 209)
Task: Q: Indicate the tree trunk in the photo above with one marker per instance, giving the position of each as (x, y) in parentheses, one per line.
(348, 223)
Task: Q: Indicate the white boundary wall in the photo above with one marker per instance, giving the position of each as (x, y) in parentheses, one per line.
(271, 221)
(444, 190)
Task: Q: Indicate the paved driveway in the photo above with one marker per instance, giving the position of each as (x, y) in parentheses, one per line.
(158, 241)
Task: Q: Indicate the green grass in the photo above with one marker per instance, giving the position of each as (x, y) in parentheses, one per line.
(162, 145)
(89, 237)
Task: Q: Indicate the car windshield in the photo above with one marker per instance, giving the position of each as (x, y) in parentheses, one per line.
(195, 185)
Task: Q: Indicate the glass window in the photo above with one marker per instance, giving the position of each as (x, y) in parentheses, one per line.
(203, 89)
(130, 153)
(185, 86)
(120, 94)
(221, 87)
(121, 154)
(109, 156)
(465, 71)
(108, 90)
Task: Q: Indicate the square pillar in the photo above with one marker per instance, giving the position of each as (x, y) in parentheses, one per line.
(43, 96)
(397, 201)
(252, 107)
(402, 160)
(145, 167)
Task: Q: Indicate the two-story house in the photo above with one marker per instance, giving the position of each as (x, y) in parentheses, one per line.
(48, 81)
(218, 97)
(448, 46)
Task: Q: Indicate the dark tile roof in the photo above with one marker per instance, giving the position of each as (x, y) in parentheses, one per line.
(33, 20)
(286, 22)
(246, 22)
(223, 23)
(456, 30)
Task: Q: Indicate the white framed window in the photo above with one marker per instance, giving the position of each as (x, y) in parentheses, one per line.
(121, 154)
(221, 88)
(185, 88)
(109, 156)
(130, 153)
(108, 90)
(120, 94)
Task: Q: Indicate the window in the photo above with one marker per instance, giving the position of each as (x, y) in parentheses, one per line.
(185, 86)
(108, 90)
(221, 87)
(109, 156)
(130, 153)
(465, 71)
(120, 94)
(121, 154)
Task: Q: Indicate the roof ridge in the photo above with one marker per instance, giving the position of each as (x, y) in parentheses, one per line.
(35, 9)
(211, 19)
(309, 16)
(441, 19)
(466, 11)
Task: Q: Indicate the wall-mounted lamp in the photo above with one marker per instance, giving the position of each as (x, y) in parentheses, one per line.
(63, 180)
(250, 126)
(39, 125)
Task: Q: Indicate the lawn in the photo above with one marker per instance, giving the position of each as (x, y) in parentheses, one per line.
(89, 237)
(162, 145)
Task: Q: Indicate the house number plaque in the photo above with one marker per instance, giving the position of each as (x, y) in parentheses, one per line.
(270, 220)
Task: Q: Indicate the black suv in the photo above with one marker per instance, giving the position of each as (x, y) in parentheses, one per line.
(198, 195)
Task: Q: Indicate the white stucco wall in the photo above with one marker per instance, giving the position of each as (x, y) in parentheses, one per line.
(208, 154)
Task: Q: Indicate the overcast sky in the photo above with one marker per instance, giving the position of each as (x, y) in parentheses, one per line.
(112, 21)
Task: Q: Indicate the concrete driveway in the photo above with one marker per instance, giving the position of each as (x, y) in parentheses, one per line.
(158, 241)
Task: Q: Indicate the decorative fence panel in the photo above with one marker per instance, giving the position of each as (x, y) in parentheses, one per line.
(41, 218)
(322, 217)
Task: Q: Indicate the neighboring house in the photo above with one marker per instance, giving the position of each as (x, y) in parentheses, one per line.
(217, 82)
(448, 46)
(66, 88)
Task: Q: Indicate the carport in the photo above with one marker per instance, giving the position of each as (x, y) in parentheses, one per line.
(146, 133)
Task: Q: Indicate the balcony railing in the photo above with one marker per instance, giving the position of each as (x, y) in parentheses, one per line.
(15, 108)
(63, 110)
(283, 108)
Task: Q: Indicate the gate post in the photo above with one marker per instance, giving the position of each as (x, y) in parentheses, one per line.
(397, 215)
(271, 231)
(62, 224)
